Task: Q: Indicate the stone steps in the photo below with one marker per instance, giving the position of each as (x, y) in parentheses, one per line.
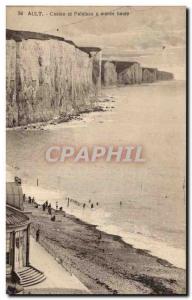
(30, 276)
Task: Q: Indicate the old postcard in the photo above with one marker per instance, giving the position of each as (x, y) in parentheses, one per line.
(96, 150)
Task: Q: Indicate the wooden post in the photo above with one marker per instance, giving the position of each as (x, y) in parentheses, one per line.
(28, 245)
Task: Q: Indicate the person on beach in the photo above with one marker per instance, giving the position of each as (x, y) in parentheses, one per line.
(23, 197)
(53, 218)
(92, 205)
(84, 205)
(37, 235)
(49, 210)
(98, 240)
(97, 203)
(29, 199)
(33, 200)
(46, 203)
(56, 205)
(43, 206)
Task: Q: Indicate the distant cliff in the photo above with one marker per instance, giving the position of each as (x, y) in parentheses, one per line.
(128, 72)
(108, 73)
(149, 75)
(47, 76)
(162, 75)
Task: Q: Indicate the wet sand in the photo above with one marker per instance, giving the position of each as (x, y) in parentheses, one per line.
(102, 262)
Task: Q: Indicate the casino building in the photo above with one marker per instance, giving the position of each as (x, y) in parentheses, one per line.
(18, 268)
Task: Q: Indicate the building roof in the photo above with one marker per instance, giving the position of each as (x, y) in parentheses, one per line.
(15, 217)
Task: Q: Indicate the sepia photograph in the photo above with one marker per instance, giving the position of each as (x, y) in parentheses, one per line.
(96, 181)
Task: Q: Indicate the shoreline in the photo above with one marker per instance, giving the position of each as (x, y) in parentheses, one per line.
(64, 118)
(99, 106)
(103, 261)
(174, 256)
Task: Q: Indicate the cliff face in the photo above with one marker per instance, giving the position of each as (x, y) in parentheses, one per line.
(46, 77)
(132, 74)
(109, 74)
(122, 72)
(162, 75)
(127, 72)
(12, 107)
(149, 75)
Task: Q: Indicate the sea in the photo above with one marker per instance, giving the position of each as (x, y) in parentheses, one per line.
(152, 214)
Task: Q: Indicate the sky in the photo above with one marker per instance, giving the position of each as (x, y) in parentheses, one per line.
(154, 36)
